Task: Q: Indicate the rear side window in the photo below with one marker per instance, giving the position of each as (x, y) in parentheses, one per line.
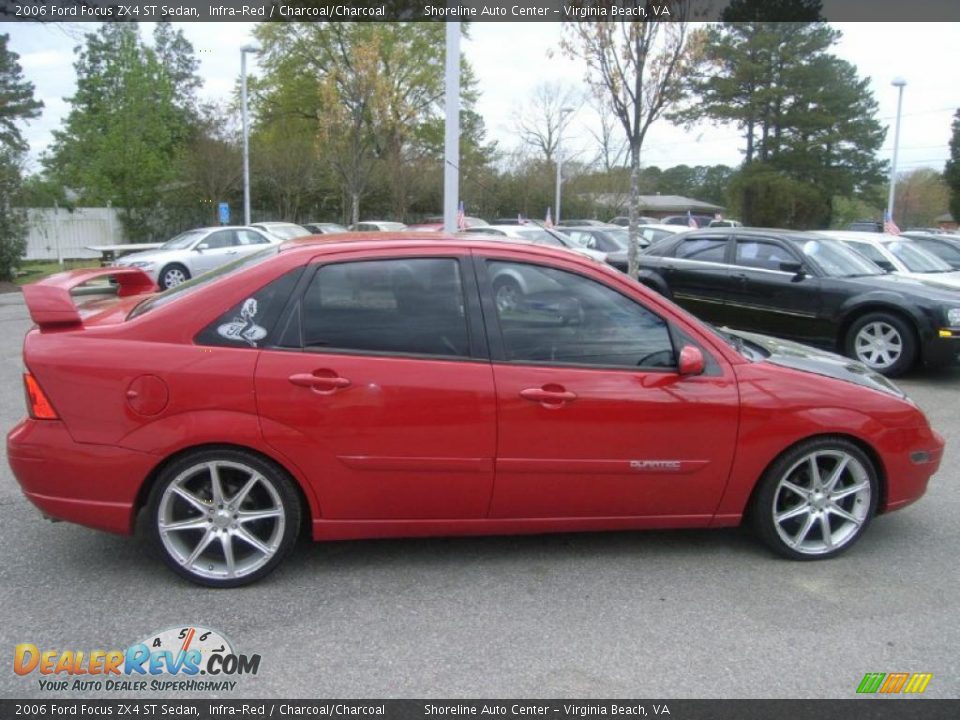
(411, 306)
(250, 323)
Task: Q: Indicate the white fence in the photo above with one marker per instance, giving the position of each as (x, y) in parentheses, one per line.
(57, 233)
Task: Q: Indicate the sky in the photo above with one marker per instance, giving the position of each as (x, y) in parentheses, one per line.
(511, 59)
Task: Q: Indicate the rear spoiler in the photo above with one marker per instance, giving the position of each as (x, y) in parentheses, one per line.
(51, 305)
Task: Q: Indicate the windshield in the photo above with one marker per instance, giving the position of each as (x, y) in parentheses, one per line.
(286, 232)
(837, 260)
(538, 235)
(201, 281)
(916, 258)
(620, 236)
(183, 240)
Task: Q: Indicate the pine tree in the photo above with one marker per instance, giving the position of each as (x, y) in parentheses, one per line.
(951, 172)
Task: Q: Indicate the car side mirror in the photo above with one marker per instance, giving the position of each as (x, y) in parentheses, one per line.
(691, 361)
(201, 247)
(885, 265)
(793, 267)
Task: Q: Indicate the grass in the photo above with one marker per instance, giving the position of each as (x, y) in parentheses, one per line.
(33, 270)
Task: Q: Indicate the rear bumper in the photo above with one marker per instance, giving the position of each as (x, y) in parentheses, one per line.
(92, 485)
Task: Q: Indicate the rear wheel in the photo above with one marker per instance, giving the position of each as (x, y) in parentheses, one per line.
(223, 517)
(816, 500)
(173, 275)
(883, 342)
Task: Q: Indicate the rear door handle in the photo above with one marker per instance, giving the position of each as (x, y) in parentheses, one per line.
(326, 383)
(548, 395)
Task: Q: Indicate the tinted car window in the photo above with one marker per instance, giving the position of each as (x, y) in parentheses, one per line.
(410, 306)
(702, 249)
(945, 251)
(562, 317)
(762, 255)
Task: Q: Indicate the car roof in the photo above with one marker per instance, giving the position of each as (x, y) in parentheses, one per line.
(873, 238)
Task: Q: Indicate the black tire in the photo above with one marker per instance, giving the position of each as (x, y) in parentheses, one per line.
(172, 275)
(796, 537)
(895, 334)
(269, 490)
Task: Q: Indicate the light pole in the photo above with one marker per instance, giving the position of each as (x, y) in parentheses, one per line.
(899, 84)
(246, 129)
(563, 113)
(451, 132)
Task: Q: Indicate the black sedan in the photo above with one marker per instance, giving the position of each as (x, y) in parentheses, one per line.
(807, 288)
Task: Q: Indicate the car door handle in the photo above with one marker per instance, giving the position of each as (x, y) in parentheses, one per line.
(548, 395)
(230, 252)
(327, 383)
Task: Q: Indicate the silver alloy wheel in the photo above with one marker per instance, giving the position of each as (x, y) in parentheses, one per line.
(221, 520)
(173, 277)
(878, 344)
(507, 296)
(821, 502)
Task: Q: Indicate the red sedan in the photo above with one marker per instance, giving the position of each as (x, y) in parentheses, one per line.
(378, 387)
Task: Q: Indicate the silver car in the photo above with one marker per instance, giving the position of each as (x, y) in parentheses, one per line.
(197, 251)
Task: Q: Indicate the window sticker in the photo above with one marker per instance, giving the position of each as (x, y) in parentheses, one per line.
(243, 328)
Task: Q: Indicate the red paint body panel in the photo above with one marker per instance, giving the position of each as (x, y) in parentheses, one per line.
(415, 446)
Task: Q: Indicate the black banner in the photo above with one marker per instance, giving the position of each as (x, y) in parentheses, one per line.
(440, 10)
(874, 709)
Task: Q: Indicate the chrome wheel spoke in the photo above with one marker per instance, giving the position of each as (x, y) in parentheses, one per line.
(196, 502)
(793, 512)
(250, 516)
(216, 486)
(835, 509)
(241, 495)
(795, 489)
(200, 523)
(252, 541)
(226, 541)
(836, 474)
(827, 531)
(804, 531)
(848, 491)
(201, 546)
(815, 480)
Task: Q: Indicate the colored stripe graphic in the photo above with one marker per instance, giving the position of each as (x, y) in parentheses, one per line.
(893, 683)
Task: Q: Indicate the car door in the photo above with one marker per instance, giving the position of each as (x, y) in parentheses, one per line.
(765, 298)
(697, 274)
(382, 391)
(249, 242)
(594, 418)
(214, 250)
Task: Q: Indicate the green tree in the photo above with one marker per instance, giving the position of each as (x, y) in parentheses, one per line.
(805, 114)
(17, 104)
(128, 121)
(951, 173)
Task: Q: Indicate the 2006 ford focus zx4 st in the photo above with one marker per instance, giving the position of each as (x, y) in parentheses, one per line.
(416, 385)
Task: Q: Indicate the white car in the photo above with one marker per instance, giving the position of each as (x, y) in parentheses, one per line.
(377, 226)
(900, 255)
(283, 230)
(536, 235)
(196, 251)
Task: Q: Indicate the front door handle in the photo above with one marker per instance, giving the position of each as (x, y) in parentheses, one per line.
(328, 382)
(549, 395)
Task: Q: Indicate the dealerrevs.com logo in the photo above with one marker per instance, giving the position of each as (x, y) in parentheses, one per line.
(180, 659)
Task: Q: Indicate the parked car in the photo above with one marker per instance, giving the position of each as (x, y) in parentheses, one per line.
(536, 234)
(649, 235)
(702, 221)
(377, 226)
(945, 246)
(810, 288)
(196, 251)
(325, 228)
(866, 226)
(724, 222)
(583, 223)
(374, 389)
(283, 230)
(900, 255)
(606, 239)
(624, 220)
(436, 223)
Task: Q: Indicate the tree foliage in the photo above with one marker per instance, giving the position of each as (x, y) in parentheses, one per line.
(951, 173)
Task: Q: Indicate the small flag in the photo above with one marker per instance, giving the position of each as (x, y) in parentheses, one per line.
(520, 220)
(691, 222)
(548, 221)
(889, 226)
(461, 217)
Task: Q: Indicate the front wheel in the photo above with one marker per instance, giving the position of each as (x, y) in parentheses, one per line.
(883, 342)
(223, 517)
(173, 275)
(816, 499)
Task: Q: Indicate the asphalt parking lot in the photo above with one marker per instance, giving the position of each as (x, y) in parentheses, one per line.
(684, 614)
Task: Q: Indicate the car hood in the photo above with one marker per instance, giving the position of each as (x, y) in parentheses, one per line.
(818, 362)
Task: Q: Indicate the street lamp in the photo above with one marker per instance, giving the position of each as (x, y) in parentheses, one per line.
(898, 83)
(246, 129)
(563, 113)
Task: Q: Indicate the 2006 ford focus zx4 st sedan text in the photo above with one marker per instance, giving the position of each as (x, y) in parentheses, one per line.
(358, 388)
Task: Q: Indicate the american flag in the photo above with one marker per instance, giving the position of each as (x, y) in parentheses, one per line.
(461, 217)
(549, 219)
(691, 222)
(889, 226)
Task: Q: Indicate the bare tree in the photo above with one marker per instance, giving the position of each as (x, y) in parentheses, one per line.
(540, 121)
(638, 66)
(611, 145)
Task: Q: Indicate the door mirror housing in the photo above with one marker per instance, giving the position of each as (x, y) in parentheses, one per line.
(201, 247)
(691, 361)
(791, 266)
(886, 266)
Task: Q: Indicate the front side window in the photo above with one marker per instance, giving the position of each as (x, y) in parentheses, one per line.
(411, 306)
(942, 250)
(916, 258)
(555, 317)
(220, 239)
(762, 255)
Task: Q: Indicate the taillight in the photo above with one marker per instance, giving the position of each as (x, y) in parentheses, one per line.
(37, 402)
